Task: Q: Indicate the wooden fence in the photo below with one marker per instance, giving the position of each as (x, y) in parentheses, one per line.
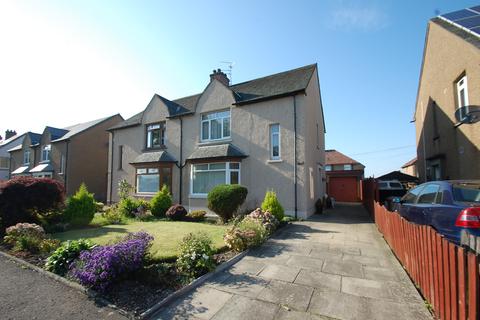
(446, 274)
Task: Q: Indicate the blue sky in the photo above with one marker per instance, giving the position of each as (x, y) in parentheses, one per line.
(65, 62)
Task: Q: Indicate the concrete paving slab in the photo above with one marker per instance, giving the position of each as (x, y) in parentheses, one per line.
(367, 288)
(278, 272)
(343, 268)
(305, 262)
(247, 266)
(241, 308)
(203, 303)
(380, 273)
(241, 284)
(325, 254)
(284, 314)
(319, 280)
(287, 294)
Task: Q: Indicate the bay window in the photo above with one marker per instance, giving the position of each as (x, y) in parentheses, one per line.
(151, 179)
(156, 135)
(215, 126)
(205, 176)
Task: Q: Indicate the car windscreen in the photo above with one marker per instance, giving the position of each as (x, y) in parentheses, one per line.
(466, 192)
(396, 185)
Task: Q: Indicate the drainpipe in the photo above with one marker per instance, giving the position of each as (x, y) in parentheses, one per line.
(181, 160)
(295, 152)
(111, 167)
(65, 170)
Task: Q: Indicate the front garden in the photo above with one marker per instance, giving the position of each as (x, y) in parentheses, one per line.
(136, 252)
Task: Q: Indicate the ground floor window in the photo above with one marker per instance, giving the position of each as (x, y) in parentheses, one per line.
(42, 175)
(151, 179)
(205, 176)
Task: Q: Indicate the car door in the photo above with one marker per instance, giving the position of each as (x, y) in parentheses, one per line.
(408, 201)
(426, 205)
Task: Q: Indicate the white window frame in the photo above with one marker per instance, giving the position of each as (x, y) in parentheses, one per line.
(24, 157)
(46, 150)
(328, 167)
(147, 173)
(462, 85)
(42, 175)
(347, 167)
(156, 126)
(209, 121)
(272, 157)
(62, 164)
(227, 171)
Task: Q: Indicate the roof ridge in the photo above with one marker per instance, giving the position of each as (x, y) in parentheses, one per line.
(275, 74)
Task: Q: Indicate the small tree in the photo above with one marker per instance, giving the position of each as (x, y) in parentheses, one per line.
(161, 202)
(272, 205)
(27, 199)
(124, 189)
(225, 199)
(81, 207)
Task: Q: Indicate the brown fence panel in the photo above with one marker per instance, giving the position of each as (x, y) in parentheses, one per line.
(447, 275)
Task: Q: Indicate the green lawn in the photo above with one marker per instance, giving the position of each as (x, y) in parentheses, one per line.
(168, 234)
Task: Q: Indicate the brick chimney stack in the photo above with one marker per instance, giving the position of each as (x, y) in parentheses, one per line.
(220, 76)
(9, 134)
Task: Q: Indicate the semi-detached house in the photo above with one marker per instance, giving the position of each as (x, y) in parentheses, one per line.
(265, 134)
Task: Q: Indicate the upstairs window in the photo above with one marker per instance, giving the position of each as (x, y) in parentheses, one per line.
(62, 165)
(156, 135)
(26, 157)
(46, 152)
(215, 126)
(347, 167)
(462, 96)
(275, 142)
(328, 167)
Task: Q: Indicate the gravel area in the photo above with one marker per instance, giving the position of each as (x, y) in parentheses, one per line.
(27, 294)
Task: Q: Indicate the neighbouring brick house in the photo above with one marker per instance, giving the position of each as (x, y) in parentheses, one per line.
(344, 176)
(71, 155)
(448, 99)
(410, 168)
(266, 133)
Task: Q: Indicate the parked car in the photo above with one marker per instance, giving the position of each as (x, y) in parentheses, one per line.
(450, 207)
(387, 189)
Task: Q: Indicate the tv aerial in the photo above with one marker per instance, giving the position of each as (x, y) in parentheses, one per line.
(228, 69)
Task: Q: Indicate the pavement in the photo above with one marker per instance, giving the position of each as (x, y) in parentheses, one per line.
(335, 265)
(27, 294)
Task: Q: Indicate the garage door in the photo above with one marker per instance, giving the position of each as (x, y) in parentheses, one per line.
(343, 189)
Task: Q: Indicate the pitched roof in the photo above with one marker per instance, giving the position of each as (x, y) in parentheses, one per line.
(34, 139)
(333, 157)
(56, 133)
(460, 32)
(269, 87)
(227, 150)
(410, 163)
(397, 175)
(80, 127)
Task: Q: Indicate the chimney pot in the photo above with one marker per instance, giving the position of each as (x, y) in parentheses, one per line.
(220, 76)
(9, 134)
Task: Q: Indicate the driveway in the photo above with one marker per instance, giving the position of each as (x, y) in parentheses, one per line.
(334, 265)
(27, 294)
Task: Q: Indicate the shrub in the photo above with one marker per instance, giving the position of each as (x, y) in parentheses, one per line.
(197, 215)
(26, 199)
(196, 256)
(124, 189)
(248, 233)
(161, 202)
(29, 237)
(112, 215)
(272, 205)
(102, 266)
(176, 212)
(99, 206)
(127, 207)
(225, 199)
(60, 260)
(81, 207)
(267, 219)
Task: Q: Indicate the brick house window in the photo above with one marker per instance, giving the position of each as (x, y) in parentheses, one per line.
(462, 96)
(156, 135)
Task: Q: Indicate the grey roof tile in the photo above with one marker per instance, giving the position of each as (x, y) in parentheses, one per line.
(268, 87)
(151, 157)
(227, 150)
(80, 127)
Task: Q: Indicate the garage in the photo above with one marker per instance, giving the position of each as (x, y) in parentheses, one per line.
(343, 189)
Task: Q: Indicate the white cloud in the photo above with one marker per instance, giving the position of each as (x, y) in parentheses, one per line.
(358, 19)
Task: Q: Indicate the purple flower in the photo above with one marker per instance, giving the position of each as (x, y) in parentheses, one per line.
(101, 266)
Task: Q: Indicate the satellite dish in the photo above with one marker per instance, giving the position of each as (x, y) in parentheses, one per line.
(468, 114)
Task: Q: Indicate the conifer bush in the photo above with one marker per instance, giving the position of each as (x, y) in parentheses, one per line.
(272, 205)
(161, 202)
(81, 207)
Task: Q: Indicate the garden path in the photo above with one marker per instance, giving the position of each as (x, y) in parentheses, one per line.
(334, 265)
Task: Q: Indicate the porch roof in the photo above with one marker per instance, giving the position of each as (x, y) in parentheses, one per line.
(20, 170)
(44, 167)
(151, 157)
(227, 150)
